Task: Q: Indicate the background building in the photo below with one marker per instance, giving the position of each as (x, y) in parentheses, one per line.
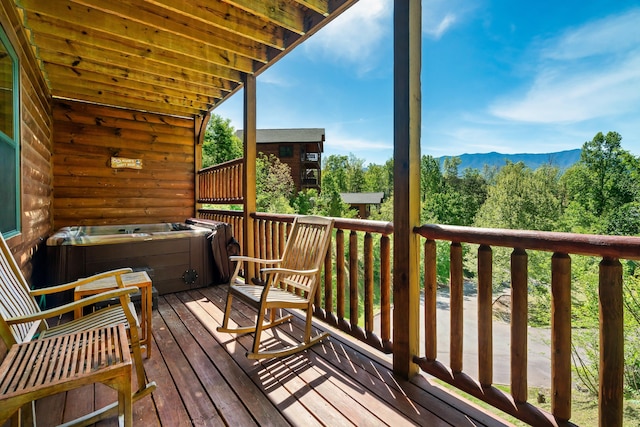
(301, 149)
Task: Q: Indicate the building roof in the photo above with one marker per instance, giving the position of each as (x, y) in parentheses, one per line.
(362, 198)
(300, 135)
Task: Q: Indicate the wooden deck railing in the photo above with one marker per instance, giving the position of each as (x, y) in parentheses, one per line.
(355, 293)
(360, 249)
(221, 184)
(560, 246)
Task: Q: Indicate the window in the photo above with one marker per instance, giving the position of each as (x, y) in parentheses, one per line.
(9, 139)
(285, 151)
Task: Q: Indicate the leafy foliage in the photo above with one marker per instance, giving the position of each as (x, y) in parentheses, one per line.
(220, 142)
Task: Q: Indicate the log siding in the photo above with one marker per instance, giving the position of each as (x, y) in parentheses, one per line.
(88, 191)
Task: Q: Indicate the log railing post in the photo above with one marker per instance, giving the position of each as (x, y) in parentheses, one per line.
(611, 343)
(519, 322)
(368, 284)
(561, 336)
(430, 303)
(456, 295)
(485, 315)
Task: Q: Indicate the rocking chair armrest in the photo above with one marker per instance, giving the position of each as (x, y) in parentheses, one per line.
(289, 271)
(70, 307)
(244, 258)
(79, 282)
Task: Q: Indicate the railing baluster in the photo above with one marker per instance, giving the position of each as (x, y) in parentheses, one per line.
(485, 315)
(519, 322)
(327, 312)
(385, 292)
(368, 285)
(340, 282)
(456, 295)
(611, 343)
(353, 281)
(561, 335)
(430, 296)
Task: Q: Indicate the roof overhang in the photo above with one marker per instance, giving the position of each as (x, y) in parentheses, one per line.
(172, 57)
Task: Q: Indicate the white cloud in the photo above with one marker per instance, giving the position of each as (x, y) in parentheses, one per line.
(588, 72)
(616, 33)
(439, 16)
(354, 38)
(436, 31)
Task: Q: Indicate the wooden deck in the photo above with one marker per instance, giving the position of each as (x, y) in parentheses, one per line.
(204, 379)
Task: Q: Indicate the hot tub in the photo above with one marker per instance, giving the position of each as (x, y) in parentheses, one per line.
(177, 256)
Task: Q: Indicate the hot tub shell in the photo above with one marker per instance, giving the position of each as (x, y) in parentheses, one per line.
(177, 256)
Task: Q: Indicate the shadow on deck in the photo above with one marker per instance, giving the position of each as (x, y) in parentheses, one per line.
(205, 379)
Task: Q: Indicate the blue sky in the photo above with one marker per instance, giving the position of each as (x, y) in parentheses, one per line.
(496, 76)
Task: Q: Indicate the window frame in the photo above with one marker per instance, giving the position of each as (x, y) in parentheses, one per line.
(13, 141)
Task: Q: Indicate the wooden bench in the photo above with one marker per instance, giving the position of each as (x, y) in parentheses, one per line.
(48, 366)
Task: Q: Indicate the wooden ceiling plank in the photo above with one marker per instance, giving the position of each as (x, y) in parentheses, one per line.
(76, 15)
(106, 92)
(154, 16)
(278, 12)
(53, 53)
(320, 6)
(183, 77)
(226, 16)
(158, 108)
(129, 78)
(60, 73)
(120, 51)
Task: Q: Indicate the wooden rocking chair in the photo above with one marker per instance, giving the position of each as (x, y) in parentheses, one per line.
(288, 283)
(22, 320)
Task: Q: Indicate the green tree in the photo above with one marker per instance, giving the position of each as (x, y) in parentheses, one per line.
(522, 199)
(220, 142)
(601, 187)
(274, 185)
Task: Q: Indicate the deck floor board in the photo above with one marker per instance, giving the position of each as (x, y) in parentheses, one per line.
(204, 379)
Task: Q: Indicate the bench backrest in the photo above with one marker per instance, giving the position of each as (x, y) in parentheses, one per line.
(15, 299)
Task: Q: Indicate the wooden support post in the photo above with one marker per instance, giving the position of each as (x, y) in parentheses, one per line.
(406, 245)
(200, 126)
(611, 343)
(249, 181)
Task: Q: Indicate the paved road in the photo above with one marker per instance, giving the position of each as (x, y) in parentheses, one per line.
(539, 357)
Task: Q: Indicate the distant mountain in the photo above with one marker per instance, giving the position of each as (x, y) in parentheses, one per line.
(561, 159)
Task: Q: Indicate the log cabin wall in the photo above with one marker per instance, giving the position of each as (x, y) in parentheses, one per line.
(36, 141)
(88, 191)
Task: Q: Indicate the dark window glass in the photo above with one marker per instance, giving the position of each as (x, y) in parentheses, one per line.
(9, 141)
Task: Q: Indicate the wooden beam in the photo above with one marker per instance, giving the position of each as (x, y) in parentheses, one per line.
(230, 18)
(406, 257)
(250, 154)
(282, 14)
(320, 6)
